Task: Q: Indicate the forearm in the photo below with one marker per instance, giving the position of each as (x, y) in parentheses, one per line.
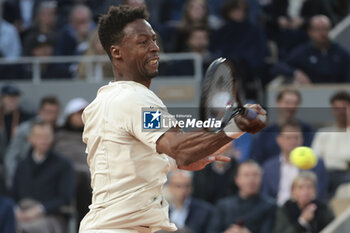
(187, 148)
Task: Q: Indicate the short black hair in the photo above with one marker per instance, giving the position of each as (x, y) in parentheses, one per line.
(49, 100)
(341, 95)
(286, 91)
(111, 25)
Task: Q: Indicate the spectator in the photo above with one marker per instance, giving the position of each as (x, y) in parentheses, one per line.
(303, 212)
(241, 42)
(332, 143)
(42, 45)
(19, 146)
(248, 211)
(74, 36)
(73, 39)
(195, 13)
(23, 12)
(184, 211)
(216, 181)
(100, 70)
(43, 184)
(10, 48)
(279, 172)
(10, 44)
(264, 143)
(286, 22)
(11, 114)
(317, 61)
(45, 22)
(69, 144)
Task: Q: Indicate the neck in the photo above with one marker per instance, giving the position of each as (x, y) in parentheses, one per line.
(179, 204)
(322, 46)
(39, 155)
(120, 77)
(244, 195)
(286, 156)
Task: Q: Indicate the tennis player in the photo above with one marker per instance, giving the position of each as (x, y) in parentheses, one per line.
(128, 165)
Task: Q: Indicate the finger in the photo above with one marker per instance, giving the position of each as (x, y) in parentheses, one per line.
(257, 108)
(223, 148)
(222, 158)
(312, 207)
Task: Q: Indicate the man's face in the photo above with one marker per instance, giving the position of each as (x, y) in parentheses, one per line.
(47, 16)
(41, 138)
(49, 113)
(10, 102)
(81, 20)
(248, 179)
(288, 105)
(341, 111)
(180, 186)
(139, 50)
(319, 30)
(289, 138)
(303, 192)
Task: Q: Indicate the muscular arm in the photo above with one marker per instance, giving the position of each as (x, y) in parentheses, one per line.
(187, 148)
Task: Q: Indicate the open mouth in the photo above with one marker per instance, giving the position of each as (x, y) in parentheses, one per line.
(154, 61)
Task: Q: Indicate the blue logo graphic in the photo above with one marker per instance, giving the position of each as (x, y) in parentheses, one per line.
(151, 119)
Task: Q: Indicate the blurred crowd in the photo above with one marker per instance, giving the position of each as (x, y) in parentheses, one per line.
(44, 176)
(45, 179)
(282, 40)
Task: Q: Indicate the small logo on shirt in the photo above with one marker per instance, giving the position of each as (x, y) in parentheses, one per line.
(152, 119)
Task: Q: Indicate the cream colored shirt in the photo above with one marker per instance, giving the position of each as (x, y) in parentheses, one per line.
(333, 145)
(127, 174)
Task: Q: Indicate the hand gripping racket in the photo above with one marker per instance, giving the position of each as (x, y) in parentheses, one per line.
(221, 96)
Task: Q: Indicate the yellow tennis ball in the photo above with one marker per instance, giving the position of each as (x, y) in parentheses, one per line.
(303, 157)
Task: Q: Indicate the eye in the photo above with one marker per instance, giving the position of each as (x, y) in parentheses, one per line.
(144, 42)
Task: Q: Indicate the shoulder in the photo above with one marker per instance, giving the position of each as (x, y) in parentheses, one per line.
(305, 48)
(227, 202)
(272, 162)
(201, 204)
(7, 26)
(339, 49)
(269, 202)
(133, 93)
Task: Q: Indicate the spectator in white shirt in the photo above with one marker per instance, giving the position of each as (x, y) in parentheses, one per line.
(332, 143)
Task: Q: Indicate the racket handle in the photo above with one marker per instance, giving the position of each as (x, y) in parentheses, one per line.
(250, 113)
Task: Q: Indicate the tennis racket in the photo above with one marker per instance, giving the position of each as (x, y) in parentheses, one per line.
(222, 95)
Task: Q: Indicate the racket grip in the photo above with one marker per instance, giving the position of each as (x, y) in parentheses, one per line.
(250, 114)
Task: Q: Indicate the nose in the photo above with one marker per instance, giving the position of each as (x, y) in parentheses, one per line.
(154, 47)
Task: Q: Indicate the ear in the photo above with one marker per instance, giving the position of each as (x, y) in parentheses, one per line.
(115, 51)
